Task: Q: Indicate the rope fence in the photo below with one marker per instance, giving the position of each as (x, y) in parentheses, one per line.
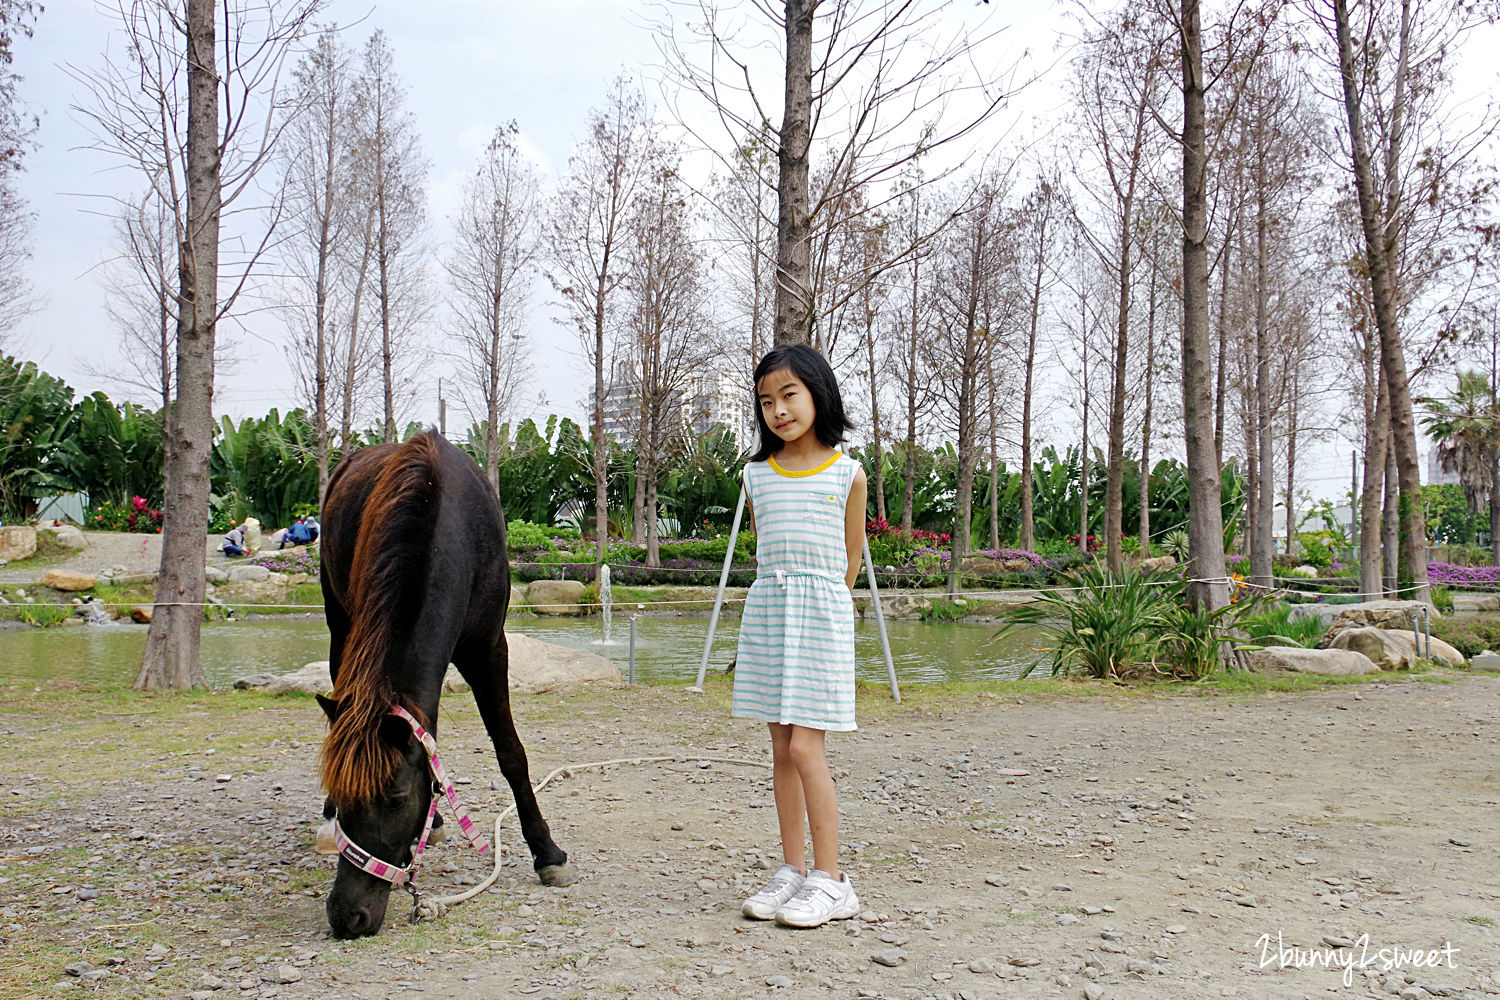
(705, 601)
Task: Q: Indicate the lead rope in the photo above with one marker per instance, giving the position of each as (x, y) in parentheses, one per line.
(430, 906)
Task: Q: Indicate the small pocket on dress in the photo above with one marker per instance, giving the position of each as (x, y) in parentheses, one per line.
(826, 509)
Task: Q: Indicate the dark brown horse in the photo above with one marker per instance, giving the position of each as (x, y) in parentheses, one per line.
(415, 576)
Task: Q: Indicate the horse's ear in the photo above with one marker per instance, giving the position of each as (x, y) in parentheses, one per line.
(329, 706)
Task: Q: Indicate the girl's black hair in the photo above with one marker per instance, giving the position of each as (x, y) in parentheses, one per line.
(830, 423)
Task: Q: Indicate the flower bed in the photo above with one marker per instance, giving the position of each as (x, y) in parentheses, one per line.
(1456, 577)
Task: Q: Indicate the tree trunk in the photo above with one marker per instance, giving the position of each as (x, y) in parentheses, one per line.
(601, 446)
(171, 658)
(1205, 517)
(1390, 522)
(879, 456)
(1114, 485)
(382, 265)
(1028, 514)
(909, 464)
(994, 468)
(1260, 542)
(794, 303)
(1223, 352)
(1370, 516)
(1380, 246)
(1143, 504)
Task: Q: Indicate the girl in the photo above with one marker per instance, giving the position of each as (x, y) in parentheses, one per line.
(795, 667)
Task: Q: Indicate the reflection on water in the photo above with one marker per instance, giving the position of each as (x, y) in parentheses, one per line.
(667, 649)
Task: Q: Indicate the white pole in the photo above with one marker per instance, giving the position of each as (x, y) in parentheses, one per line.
(713, 620)
(885, 642)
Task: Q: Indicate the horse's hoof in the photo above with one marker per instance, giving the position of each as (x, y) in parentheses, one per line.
(557, 876)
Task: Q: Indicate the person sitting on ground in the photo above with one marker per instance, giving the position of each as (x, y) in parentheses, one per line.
(300, 533)
(234, 542)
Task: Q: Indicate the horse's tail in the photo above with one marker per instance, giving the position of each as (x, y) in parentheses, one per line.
(387, 581)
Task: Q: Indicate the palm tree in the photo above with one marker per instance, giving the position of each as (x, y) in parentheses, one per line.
(1465, 425)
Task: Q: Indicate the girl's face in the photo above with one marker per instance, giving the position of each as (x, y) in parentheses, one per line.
(786, 405)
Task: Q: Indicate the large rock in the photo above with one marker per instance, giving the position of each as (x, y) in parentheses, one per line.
(1158, 562)
(1311, 661)
(67, 535)
(905, 605)
(248, 574)
(215, 574)
(555, 597)
(17, 542)
(540, 666)
(1382, 646)
(141, 614)
(1476, 602)
(67, 579)
(983, 566)
(1440, 651)
(535, 666)
(1367, 614)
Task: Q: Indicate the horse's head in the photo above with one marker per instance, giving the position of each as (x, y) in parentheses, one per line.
(376, 775)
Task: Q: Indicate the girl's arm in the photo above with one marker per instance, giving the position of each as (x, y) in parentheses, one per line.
(854, 524)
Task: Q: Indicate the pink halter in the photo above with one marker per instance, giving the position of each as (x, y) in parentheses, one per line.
(395, 874)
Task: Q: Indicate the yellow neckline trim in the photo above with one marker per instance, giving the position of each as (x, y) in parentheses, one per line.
(799, 473)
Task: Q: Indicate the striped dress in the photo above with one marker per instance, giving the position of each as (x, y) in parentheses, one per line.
(796, 650)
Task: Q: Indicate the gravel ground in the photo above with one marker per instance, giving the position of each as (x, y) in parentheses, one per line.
(1155, 848)
(107, 549)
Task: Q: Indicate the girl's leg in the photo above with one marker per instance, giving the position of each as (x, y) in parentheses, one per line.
(805, 748)
(787, 788)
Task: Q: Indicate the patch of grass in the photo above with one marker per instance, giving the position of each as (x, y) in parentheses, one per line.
(40, 615)
(1277, 627)
(1481, 921)
(941, 609)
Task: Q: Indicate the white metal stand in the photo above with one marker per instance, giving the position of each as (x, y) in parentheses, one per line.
(713, 619)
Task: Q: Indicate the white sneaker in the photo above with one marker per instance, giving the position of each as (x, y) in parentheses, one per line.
(819, 900)
(782, 887)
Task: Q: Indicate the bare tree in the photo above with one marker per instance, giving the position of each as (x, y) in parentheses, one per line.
(397, 177)
(745, 221)
(1118, 72)
(912, 329)
(17, 18)
(495, 247)
(584, 244)
(872, 83)
(970, 264)
(317, 155)
(667, 321)
(200, 126)
(1037, 227)
(142, 303)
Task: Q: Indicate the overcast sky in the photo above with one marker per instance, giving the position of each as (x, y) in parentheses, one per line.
(468, 66)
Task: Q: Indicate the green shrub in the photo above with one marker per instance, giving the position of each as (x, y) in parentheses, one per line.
(1275, 626)
(1470, 636)
(523, 536)
(1108, 626)
(1442, 599)
(1178, 544)
(1317, 547)
(891, 550)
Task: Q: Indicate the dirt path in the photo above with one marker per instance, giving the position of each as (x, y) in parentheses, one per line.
(107, 549)
(1154, 846)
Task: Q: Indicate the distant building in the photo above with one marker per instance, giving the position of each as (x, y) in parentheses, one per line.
(712, 397)
(719, 397)
(1435, 474)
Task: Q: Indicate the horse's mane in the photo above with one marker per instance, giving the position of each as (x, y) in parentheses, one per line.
(387, 579)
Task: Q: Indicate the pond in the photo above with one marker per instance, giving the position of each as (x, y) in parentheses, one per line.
(667, 649)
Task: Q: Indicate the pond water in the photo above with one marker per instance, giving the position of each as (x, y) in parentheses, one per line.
(667, 649)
